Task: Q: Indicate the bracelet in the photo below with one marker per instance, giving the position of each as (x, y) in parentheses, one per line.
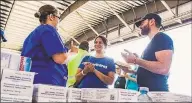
(82, 73)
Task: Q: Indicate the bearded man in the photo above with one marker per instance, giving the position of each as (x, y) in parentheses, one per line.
(155, 62)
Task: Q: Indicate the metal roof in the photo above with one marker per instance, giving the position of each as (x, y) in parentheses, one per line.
(17, 17)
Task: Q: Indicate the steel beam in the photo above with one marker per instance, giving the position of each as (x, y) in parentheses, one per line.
(63, 30)
(113, 21)
(87, 23)
(126, 25)
(77, 4)
(172, 13)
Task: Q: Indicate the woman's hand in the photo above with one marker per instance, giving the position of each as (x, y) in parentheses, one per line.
(86, 69)
(89, 67)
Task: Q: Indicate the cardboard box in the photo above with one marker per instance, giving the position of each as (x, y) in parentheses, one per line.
(18, 76)
(100, 95)
(5, 59)
(74, 93)
(10, 60)
(73, 100)
(15, 62)
(49, 91)
(44, 99)
(15, 99)
(127, 95)
(16, 88)
(168, 97)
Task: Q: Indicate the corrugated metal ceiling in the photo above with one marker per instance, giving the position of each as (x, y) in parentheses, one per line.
(17, 17)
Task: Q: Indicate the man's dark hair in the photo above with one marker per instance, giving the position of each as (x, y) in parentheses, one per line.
(84, 45)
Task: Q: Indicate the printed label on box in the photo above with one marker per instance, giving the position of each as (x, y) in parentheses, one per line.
(18, 76)
(105, 95)
(49, 91)
(15, 99)
(168, 97)
(74, 93)
(127, 95)
(15, 88)
(43, 99)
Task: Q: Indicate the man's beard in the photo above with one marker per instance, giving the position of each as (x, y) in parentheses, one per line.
(145, 30)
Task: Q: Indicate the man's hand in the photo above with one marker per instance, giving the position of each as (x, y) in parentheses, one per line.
(125, 69)
(129, 57)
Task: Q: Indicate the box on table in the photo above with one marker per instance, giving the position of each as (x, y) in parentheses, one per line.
(99, 95)
(74, 95)
(16, 88)
(9, 60)
(15, 61)
(125, 95)
(168, 97)
(15, 99)
(45, 99)
(50, 91)
(5, 59)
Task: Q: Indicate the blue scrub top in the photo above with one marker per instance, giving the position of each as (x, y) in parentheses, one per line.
(40, 46)
(104, 65)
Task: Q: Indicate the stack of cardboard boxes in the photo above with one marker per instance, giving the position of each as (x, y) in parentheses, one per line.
(10, 61)
(16, 86)
(49, 93)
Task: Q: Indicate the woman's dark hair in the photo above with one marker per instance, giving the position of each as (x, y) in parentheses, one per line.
(104, 39)
(84, 45)
(44, 11)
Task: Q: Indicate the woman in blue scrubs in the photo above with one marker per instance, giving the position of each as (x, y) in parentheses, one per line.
(46, 49)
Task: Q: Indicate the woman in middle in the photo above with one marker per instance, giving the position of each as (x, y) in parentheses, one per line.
(96, 71)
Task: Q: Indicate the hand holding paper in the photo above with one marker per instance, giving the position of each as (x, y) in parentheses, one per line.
(125, 67)
(129, 57)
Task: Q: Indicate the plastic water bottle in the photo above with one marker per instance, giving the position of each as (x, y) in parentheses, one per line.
(144, 97)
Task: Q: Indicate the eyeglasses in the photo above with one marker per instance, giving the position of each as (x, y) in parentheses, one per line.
(57, 16)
